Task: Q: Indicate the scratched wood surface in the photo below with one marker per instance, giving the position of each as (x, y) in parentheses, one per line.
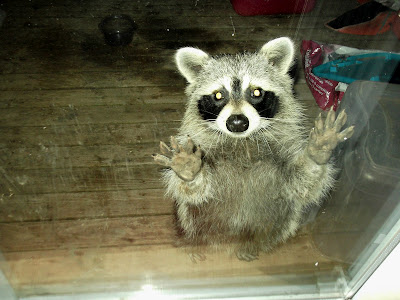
(80, 199)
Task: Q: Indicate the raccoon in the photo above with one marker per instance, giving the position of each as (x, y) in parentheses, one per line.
(242, 169)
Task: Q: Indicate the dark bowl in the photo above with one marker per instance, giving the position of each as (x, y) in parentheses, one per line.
(118, 29)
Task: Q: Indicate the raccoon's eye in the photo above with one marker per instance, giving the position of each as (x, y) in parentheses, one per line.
(218, 96)
(256, 93)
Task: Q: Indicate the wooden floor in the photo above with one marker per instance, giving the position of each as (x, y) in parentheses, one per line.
(80, 200)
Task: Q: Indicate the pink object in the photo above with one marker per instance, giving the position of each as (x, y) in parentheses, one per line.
(322, 89)
(271, 7)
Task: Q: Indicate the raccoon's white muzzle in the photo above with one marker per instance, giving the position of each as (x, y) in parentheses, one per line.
(238, 122)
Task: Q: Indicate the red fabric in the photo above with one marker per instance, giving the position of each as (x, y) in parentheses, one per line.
(380, 24)
(271, 7)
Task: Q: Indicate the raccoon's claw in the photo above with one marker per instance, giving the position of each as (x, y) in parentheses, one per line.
(175, 146)
(195, 257)
(184, 160)
(165, 149)
(162, 160)
(325, 137)
(190, 145)
(246, 256)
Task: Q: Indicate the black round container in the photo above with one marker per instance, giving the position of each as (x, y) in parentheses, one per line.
(118, 29)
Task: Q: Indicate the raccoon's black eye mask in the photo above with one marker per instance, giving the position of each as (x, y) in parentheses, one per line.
(265, 102)
(210, 106)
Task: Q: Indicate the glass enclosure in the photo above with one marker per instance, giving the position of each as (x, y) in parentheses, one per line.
(83, 211)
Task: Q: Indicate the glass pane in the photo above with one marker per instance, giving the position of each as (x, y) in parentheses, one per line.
(88, 89)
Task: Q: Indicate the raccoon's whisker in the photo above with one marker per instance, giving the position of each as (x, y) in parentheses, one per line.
(245, 146)
(280, 119)
(276, 140)
(199, 133)
(254, 137)
(261, 111)
(212, 139)
(209, 112)
(270, 133)
(270, 129)
(274, 129)
(281, 131)
(258, 146)
(218, 142)
(265, 139)
(218, 136)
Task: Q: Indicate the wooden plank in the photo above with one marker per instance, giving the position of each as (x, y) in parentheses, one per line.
(39, 181)
(42, 157)
(63, 271)
(84, 205)
(87, 60)
(93, 97)
(95, 233)
(88, 135)
(83, 115)
(47, 81)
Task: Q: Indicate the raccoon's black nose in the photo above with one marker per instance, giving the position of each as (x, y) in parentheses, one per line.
(237, 123)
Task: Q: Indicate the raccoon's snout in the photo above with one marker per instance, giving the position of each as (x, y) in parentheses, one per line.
(237, 123)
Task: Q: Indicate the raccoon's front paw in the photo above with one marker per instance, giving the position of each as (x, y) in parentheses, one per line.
(185, 161)
(325, 137)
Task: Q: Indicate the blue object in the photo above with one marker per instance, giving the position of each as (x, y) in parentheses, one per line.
(384, 67)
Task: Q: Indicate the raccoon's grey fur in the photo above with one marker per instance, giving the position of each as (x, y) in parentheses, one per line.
(242, 169)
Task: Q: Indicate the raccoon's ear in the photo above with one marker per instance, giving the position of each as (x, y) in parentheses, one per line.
(279, 53)
(190, 61)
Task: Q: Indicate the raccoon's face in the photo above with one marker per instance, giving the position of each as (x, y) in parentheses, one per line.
(236, 106)
(238, 95)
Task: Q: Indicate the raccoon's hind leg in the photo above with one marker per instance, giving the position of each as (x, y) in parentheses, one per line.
(325, 137)
(249, 246)
(185, 161)
(194, 252)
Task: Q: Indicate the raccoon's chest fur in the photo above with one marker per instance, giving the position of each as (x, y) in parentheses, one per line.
(249, 187)
(246, 199)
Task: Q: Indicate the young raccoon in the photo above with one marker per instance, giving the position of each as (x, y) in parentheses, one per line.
(241, 168)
